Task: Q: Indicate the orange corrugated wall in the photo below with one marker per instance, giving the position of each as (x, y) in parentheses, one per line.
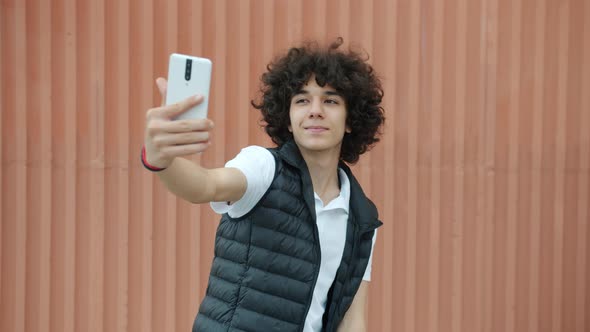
(481, 178)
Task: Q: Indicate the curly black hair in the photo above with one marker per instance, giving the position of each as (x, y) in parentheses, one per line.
(347, 72)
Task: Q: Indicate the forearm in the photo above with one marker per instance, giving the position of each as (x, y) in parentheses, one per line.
(356, 325)
(188, 181)
(355, 318)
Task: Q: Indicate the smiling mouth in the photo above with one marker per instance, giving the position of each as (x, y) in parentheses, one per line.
(315, 129)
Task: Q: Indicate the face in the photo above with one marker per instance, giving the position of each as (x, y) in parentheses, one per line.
(318, 118)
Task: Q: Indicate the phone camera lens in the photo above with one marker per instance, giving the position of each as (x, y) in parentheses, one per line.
(187, 71)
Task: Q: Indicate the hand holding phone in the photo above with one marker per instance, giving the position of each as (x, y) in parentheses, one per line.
(165, 137)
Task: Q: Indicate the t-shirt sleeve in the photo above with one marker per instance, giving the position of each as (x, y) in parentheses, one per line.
(367, 276)
(258, 165)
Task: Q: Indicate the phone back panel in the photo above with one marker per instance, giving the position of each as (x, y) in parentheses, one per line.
(179, 88)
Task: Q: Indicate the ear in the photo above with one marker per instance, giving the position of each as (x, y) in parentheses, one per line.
(348, 129)
(290, 128)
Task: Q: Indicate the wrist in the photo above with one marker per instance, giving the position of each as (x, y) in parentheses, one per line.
(147, 165)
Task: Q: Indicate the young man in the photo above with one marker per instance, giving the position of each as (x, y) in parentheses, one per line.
(293, 248)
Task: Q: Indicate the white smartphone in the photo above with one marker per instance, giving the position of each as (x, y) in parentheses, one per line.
(188, 76)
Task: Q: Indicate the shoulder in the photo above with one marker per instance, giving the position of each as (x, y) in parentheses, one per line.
(255, 162)
(255, 150)
(253, 156)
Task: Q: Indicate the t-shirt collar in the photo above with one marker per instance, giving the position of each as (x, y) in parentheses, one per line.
(342, 201)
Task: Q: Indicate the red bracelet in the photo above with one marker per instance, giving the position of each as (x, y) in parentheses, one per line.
(147, 165)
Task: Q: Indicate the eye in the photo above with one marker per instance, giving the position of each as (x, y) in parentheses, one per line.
(331, 101)
(300, 100)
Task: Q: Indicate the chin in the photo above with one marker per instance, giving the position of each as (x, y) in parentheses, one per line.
(317, 146)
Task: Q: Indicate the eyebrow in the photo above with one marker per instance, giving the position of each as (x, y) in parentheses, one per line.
(327, 93)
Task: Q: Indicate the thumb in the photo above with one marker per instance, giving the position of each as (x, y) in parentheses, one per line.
(162, 85)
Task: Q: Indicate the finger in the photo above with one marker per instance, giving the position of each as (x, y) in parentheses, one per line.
(174, 110)
(194, 137)
(183, 126)
(185, 149)
(169, 112)
(162, 85)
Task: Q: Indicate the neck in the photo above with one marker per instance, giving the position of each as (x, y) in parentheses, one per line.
(323, 169)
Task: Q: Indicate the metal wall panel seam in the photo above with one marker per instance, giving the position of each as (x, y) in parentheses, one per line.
(459, 162)
(559, 204)
(14, 214)
(489, 174)
(513, 173)
(582, 287)
(538, 104)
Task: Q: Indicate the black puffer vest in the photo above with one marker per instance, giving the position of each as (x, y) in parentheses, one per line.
(266, 263)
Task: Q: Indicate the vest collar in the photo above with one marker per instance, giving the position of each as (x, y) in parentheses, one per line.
(359, 202)
(360, 205)
(290, 153)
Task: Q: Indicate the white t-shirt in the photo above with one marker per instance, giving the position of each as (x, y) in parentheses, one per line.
(258, 165)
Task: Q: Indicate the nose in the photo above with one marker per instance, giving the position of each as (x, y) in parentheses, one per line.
(316, 110)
